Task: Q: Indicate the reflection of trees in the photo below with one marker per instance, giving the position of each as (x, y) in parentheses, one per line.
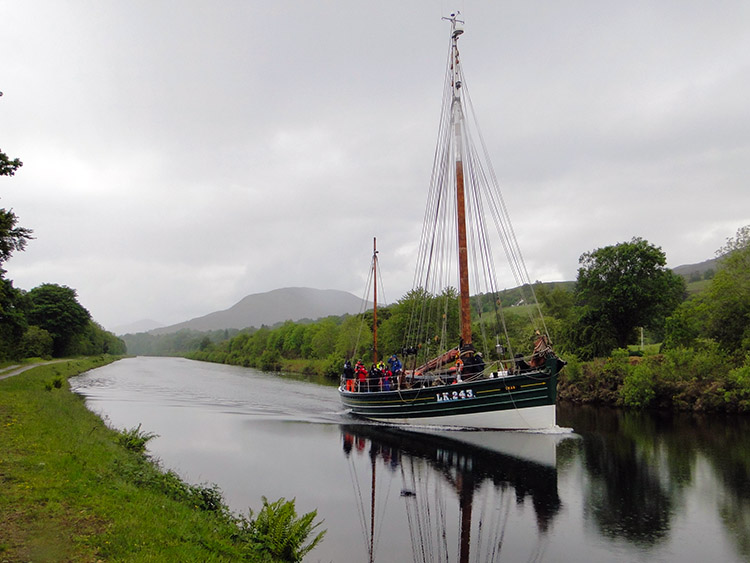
(726, 444)
(641, 464)
(625, 496)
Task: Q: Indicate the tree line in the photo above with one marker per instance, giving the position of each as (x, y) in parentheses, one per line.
(618, 289)
(47, 321)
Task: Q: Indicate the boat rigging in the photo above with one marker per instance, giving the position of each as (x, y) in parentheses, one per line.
(473, 380)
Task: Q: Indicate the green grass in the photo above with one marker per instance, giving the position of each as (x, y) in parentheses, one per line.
(72, 492)
(697, 286)
(647, 350)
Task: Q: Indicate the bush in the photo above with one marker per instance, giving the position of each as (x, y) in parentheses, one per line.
(638, 388)
(574, 370)
(36, 343)
(333, 367)
(270, 360)
(56, 383)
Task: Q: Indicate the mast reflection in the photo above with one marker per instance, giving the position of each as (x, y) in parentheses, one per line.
(459, 479)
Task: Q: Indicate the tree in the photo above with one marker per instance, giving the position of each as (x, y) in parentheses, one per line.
(722, 312)
(55, 309)
(36, 343)
(729, 294)
(740, 241)
(626, 286)
(12, 237)
(8, 167)
(12, 319)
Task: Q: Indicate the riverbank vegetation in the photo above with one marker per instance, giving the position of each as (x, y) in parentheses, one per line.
(79, 491)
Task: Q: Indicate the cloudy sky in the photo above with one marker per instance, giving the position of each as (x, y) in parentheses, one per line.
(181, 155)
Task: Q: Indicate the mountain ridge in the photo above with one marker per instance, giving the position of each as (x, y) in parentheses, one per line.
(271, 307)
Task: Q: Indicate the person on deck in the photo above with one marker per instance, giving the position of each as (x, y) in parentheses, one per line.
(386, 381)
(349, 376)
(361, 373)
(373, 381)
(395, 364)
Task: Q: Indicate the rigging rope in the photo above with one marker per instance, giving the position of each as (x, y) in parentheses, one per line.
(436, 265)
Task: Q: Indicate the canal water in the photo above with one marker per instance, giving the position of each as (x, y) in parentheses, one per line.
(607, 486)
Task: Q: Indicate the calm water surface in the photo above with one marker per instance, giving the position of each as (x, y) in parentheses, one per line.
(610, 486)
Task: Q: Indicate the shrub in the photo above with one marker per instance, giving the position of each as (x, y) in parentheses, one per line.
(278, 533)
(270, 360)
(36, 343)
(333, 366)
(638, 387)
(573, 371)
(134, 439)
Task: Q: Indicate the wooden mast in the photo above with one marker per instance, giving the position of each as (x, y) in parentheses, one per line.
(457, 121)
(375, 301)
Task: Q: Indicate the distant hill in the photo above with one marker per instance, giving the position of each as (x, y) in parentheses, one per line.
(688, 270)
(279, 305)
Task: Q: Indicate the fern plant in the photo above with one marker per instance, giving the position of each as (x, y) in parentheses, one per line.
(135, 439)
(278, 533)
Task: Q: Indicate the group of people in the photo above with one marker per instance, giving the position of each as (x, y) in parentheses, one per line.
(380, 376)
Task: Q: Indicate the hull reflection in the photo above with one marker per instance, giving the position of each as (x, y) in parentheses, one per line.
(469, 481)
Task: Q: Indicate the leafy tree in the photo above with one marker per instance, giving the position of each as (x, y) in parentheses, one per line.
(8, 167)
(93, 339)
(556, 302)
(11, 237)
(740, 241)
(687, 323)
(622, 287)
(12, 319)
(324, 337)
(722, 312)
(354, 338)
(56, 309)
(36, 343)
(729, 295)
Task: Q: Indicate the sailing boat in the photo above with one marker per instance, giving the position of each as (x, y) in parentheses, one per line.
(457, 374)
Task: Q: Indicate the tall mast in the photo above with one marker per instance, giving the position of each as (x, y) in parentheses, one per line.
(457, 120)
(375, 301)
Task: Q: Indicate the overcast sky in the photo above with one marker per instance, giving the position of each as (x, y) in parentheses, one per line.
(179, 156)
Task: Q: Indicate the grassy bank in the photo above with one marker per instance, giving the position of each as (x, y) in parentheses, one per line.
(75, 490)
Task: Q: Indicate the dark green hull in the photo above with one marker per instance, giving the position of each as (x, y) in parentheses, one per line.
(525, 401)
